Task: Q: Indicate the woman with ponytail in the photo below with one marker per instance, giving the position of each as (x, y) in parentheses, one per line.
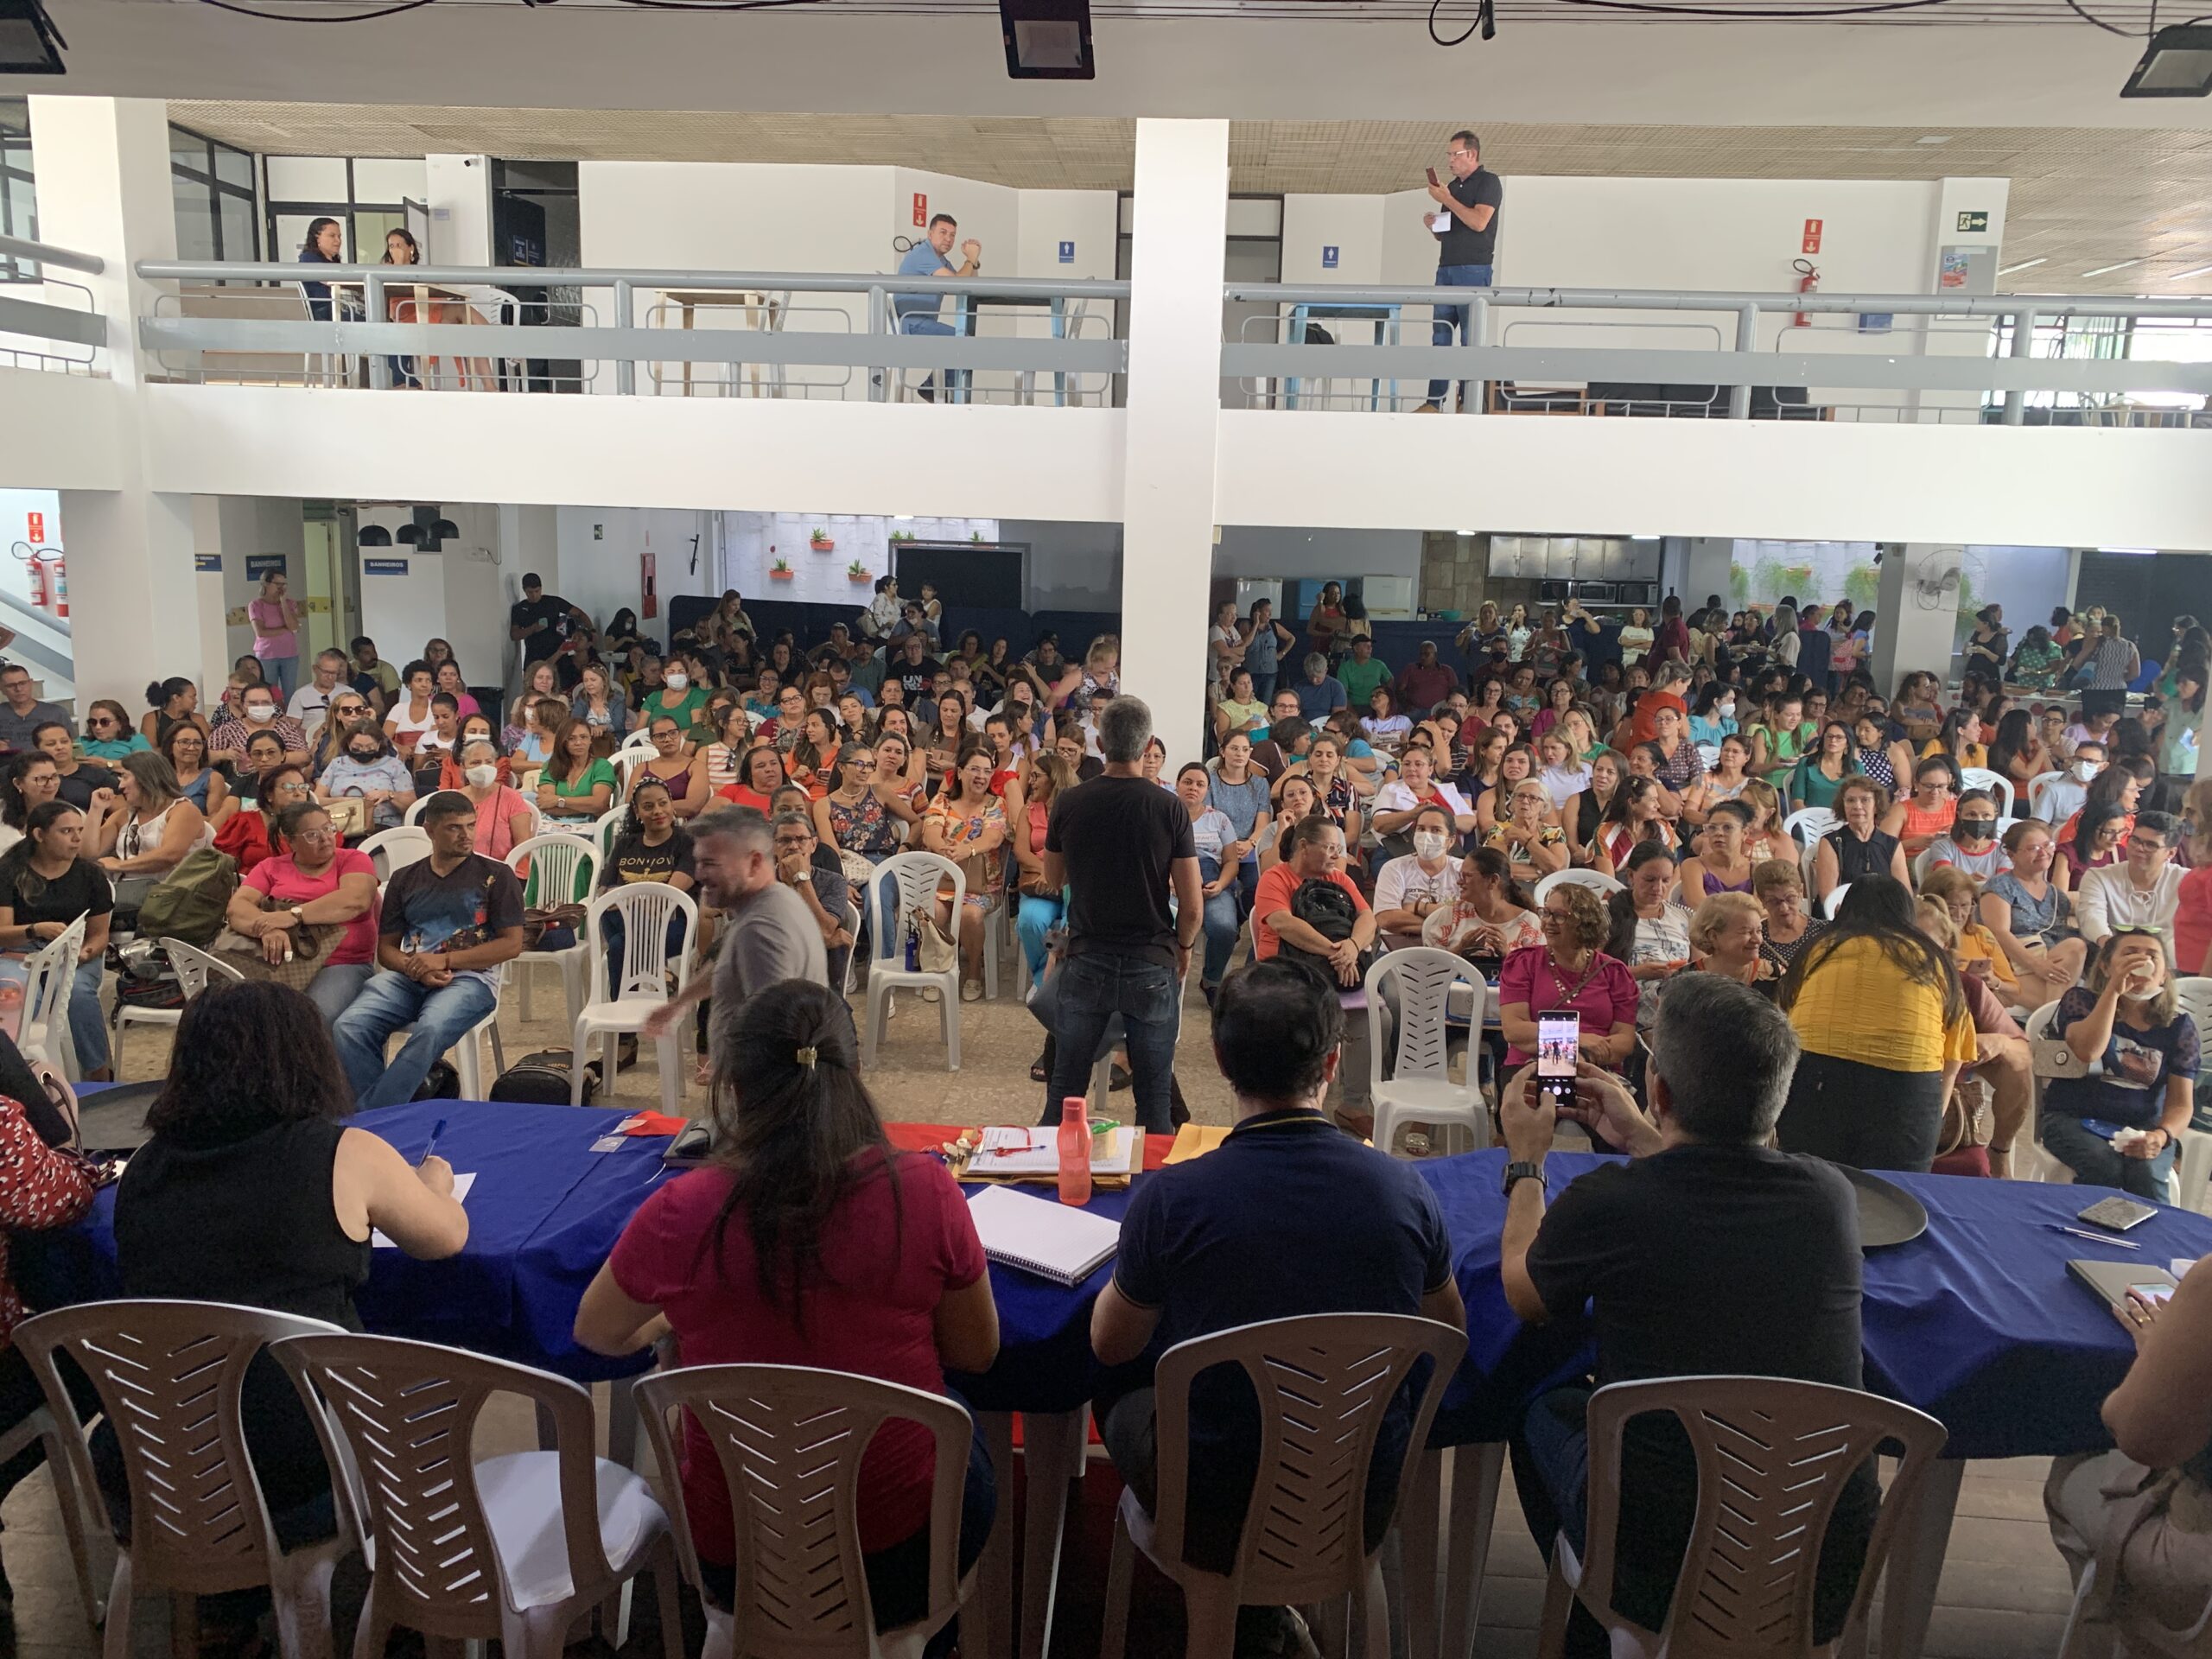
(807, 1240)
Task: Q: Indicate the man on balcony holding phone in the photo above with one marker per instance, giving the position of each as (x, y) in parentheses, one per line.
(1466, 226)
(918, 312)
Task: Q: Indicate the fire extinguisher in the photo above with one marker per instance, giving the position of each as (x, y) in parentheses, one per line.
(38, 582)
(61, 588)
(1809, 282)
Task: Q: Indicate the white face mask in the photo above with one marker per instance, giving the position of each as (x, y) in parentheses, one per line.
(1728, 708)
(676, 682)
(1429, 843)
(2085, 770)
(482, 777)
(262, 713)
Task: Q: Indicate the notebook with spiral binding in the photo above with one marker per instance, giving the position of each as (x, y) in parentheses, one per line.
(1041, 1236)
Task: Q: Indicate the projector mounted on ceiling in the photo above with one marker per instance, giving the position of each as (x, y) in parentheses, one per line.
(1047, 39)
(2177, 64)
(29, 44)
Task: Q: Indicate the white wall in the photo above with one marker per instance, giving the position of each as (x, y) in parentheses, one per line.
(458, 594)
(1086, 218)
(1352, 224)
(1296, 553)
(59, 431)
(754, 542)
(1073, 566)
(16, 506)
(598, 568)
(459, 195)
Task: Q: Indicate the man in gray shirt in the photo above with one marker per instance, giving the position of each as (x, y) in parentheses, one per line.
(771, 935)
(22, 713)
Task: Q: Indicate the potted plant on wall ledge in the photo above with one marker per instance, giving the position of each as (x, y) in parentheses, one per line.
(820, 541)
(857, 572)
(780, 570)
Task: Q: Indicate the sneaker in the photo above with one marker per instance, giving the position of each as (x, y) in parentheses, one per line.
(971, 990)
(929, 994)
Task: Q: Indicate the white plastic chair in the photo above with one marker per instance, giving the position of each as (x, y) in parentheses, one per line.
(1809, 823)
(516, 1548)
(789, 1441)
(1420, 1088)
(641, 981)
(1709, 752)
(636, 742)
(628, 763)
(1325, 1383)
(1835, 900)
(1995, 782)
(555, 860)
(42, 1033)
(915, 878)
(39, 1426)
(1773, 1456)
(193, 967)
(392, 850)
(2036, 787)
(168, 1375)
(1597, 880)
(413, 816)
(468, 1051)
(607, 829)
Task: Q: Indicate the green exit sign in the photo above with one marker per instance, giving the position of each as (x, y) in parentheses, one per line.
(1974, 221)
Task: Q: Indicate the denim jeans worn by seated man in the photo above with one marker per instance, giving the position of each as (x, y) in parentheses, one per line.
(1092, 988)
(1449, 315)
(388, 1002)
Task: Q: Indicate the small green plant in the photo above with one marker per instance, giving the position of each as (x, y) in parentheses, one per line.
(975, 536)
(781, 569)
(857, 571)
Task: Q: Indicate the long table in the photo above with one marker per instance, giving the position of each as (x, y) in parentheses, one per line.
(1976, 1323)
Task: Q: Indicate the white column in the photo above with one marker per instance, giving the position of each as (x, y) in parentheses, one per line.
(1916, 613)
(1174, 394)
(104, 188)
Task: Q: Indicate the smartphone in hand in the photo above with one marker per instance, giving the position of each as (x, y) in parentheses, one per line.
(1433, 180)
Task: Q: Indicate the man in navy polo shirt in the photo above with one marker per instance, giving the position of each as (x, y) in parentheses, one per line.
(1288, 1216)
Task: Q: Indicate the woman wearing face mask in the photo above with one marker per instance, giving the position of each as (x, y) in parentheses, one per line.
(1409, 890)
(1712, 715)
(1922, 817)
(677, 698)
(1859, 847)
(1972, 845)
(476, 730)
(369, 772)
(503, 818)
(2128, 1023)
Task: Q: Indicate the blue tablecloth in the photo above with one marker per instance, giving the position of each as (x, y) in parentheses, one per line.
(542, 1216)
(1976, 1322)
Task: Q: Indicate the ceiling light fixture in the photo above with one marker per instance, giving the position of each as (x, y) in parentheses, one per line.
(2024, 265)
(2183, 276)
(2132, 552)
(1934, 139)
(2177, 64)
(2122, 265)
(29, 44)
(1047, 39)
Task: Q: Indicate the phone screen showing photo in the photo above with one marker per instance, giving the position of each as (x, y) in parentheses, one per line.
(2156, 1295)
(1559, 1045)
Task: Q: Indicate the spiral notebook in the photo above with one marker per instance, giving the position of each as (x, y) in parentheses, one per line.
(1053, 1240)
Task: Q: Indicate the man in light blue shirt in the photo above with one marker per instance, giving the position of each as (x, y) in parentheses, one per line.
(917, 314)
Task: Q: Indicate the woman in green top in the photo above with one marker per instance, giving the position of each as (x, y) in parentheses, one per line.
(1821, 774)
(1238, 712)
(677, 698)
(108, 733)
(575, 785)
(1778, 742)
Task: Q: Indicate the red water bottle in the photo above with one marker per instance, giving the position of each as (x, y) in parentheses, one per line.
(1075, 1150)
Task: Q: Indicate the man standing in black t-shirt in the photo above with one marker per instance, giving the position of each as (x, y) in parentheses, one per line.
(1466, 228)
(1118, 843)
(1705, 1254)
(541, 623)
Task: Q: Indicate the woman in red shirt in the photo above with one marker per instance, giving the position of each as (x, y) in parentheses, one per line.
(760, 775)
(808, 1241)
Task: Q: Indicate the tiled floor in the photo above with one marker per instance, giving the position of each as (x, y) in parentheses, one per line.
(2004, 1594)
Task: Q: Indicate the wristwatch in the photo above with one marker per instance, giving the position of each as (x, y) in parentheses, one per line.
(1521, 1171)
(295, 913)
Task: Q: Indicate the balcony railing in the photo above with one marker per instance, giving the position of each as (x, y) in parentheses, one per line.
(28, 326)
(695, 333)
(1903, 357)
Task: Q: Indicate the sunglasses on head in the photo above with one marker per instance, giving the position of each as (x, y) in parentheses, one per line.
(2139, 930)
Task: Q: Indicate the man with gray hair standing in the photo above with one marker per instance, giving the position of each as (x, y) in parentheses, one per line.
(1707, 1253)
(1120, 844)
(771, 935)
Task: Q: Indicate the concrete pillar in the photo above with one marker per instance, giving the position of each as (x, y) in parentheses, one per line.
(104, 188)
(1706, 563)
(1167, 511)
(459, 194)
(1916, 613)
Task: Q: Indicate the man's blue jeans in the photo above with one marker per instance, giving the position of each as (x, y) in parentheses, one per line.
(1448, 317)
(956, 380)
(1092, 988)
(388, 1002)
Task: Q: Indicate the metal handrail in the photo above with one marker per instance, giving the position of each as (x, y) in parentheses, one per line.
(540, 277)
(2045, 307)
(16, 247)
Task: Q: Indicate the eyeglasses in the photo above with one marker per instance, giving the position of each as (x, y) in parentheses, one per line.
(100, 719)
(860, 766)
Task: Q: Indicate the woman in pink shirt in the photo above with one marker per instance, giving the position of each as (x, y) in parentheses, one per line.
(276, 637)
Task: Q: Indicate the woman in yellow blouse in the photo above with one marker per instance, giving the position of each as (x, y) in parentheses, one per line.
(1883, 1023)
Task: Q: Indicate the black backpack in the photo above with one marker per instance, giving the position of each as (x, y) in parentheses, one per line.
(1329, 910)
(543, 1079)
